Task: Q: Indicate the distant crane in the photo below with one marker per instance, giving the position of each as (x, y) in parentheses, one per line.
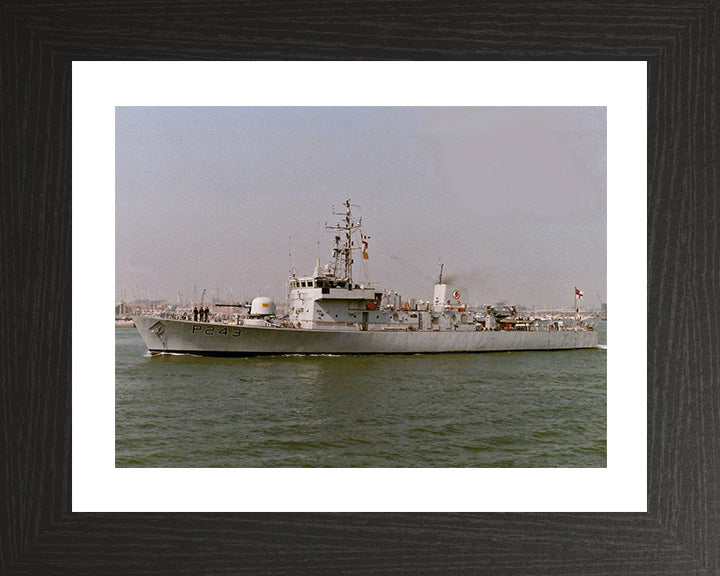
(603, 308)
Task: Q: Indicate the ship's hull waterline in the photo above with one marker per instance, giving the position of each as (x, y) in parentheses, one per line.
(215, 339)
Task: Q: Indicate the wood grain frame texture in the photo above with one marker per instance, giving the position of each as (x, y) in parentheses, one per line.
(680, 533)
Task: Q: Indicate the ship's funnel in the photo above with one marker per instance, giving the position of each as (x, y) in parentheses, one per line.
(446, 295)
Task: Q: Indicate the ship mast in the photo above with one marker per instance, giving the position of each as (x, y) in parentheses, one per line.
(342, 252)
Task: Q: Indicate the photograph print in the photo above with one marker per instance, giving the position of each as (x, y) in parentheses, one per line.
(361, 287)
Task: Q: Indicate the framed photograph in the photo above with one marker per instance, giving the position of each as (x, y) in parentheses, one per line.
(72, 508)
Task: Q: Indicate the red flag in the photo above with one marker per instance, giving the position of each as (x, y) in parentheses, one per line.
(578, 293)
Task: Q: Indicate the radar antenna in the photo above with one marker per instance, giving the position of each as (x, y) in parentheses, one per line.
(342, 252)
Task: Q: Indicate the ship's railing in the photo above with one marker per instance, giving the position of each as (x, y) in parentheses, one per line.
(478, 325)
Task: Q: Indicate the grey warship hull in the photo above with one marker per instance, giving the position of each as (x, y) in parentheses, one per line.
(329, 313)
(163, 335)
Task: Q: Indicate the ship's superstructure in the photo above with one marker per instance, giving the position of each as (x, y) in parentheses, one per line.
(330, 299)
(330, 313)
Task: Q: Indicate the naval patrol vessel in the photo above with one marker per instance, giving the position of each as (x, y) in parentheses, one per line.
(329, 313)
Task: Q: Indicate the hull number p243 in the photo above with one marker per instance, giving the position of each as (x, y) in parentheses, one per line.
(231, 331)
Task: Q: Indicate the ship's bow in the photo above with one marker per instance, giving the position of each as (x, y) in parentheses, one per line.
(152, 331)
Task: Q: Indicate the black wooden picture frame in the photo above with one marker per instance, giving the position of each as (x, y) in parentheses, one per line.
(680, 533)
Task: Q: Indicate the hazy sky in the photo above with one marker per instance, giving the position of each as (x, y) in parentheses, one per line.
(512, 200)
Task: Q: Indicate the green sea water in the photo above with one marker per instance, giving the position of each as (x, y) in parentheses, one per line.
(512, 409)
